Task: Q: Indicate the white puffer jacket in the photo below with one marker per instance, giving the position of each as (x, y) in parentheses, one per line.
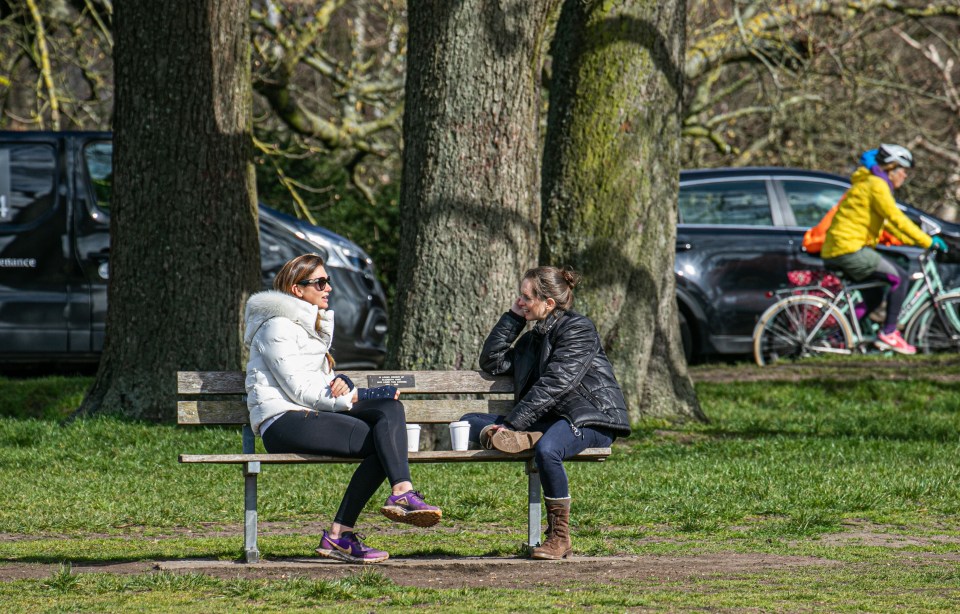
(288, 368)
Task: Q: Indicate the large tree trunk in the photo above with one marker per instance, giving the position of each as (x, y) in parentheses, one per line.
(184, 249)
(610, 175)
(470, 190)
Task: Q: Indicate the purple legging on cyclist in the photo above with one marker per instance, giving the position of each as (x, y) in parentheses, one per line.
(889, 273)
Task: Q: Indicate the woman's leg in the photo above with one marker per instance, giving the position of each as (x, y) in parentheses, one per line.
(333, 434)
(560, 442)
(894, 275)
(388, 423)
(478, 422)
(370, 431)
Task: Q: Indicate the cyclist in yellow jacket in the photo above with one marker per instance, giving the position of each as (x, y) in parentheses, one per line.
(868, 208)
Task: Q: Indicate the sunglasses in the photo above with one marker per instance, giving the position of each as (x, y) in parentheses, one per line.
(319, 283)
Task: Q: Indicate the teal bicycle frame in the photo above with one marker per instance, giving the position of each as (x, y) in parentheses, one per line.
(926, 286)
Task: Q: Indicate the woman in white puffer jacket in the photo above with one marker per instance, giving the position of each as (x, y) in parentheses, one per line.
(298, 404)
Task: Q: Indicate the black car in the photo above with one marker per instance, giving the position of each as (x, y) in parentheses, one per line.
(55, 190)
(740, 230)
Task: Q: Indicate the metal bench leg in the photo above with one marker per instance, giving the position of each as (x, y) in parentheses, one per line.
(533, 499)
(250, 472)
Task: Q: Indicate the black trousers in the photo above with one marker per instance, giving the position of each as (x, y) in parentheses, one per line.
(374, 430)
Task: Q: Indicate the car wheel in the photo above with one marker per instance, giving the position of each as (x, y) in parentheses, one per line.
(686, 337)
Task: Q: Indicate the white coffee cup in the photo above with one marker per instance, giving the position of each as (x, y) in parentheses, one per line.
(413, 438)
(459, 435)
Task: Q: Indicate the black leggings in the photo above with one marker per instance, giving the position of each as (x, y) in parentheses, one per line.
(374, 430)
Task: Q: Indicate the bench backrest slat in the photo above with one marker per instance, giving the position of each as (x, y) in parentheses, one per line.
(409, 382)
(418, 411)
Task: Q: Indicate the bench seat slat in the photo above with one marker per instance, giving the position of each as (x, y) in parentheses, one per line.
(430, 382)
(431, 411)
(436, 456)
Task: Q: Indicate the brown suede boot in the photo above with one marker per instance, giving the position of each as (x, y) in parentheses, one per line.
(513, 442)
(557, 544)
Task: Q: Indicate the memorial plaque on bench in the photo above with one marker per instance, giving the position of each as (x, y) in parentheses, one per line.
(397, 381)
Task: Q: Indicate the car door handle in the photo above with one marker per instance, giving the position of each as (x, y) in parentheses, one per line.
(683, 246)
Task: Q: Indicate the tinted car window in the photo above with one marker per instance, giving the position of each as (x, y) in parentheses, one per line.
(740, 203)
(810, 200)
(26, 183)
(97, 158)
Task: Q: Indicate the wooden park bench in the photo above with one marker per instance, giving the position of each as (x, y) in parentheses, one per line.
(218, 398)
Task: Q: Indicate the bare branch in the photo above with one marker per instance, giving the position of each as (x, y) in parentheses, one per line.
(728, 44)
(291, 186)
(702, 132)
(46, 71)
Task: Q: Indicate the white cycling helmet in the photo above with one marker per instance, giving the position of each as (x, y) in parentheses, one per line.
(894, 153)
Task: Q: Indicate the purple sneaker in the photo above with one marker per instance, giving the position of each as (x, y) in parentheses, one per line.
(410, 508)
(349, 548)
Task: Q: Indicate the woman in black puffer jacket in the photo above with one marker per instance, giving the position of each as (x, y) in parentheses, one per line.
(567, 398)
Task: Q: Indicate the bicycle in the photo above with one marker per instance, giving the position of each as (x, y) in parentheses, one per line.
(819, 319)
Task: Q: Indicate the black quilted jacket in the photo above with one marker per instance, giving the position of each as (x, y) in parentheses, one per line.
(575, 382)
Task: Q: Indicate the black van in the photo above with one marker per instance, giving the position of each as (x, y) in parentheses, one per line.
(55, 190)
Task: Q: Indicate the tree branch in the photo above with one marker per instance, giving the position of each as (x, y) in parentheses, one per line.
(730, 44)
(46, 71)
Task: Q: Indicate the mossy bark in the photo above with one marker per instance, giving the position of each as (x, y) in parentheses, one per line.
(610, 179)
(469, 202)
(184, 248)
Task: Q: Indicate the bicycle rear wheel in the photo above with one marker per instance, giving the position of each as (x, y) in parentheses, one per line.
(800, 326)
(936, 326)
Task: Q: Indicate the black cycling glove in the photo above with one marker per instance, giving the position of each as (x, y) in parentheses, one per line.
(380, 392)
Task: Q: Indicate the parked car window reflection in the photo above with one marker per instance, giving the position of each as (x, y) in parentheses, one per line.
(810, 200)
(742, 203)
(26, 184)
(98, 160)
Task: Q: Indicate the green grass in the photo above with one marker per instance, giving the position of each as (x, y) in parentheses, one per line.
(779, 466)
(883, 590)
(44, 397)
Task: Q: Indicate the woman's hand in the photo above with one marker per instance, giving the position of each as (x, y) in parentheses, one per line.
(338, 388)
(515, 308)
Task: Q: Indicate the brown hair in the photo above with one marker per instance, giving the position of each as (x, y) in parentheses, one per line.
(551, 282)
(296, 270)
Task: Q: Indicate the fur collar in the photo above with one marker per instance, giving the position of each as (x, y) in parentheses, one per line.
(264, 306)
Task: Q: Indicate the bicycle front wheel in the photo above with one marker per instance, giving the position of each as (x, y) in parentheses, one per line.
(800, 326)
(936, 326)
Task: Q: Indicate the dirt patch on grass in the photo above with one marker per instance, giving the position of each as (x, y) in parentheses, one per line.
(439, 571)
(474, 572)
(459, 572)
(868, 534)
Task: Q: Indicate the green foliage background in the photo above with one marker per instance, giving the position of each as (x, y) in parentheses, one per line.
(336, 204)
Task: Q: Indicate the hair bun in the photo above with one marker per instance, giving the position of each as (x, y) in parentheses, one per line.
(570, 276)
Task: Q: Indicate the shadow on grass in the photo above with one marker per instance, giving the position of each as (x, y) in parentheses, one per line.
(95, 561)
